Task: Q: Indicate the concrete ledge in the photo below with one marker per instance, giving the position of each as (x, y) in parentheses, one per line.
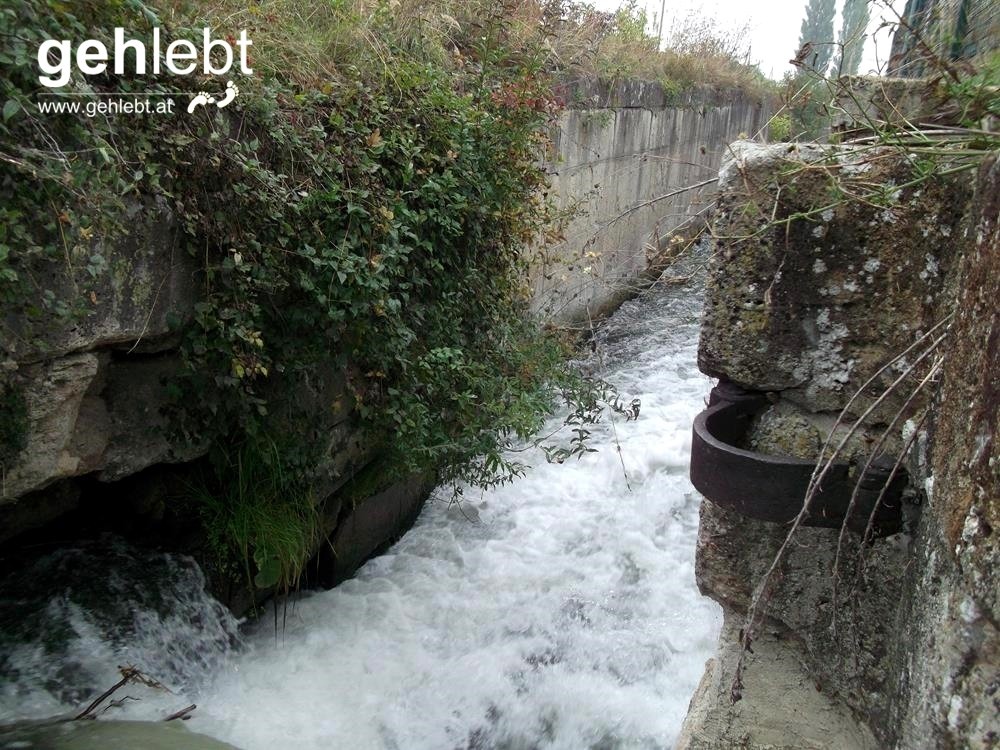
(782, 707)
(369, 526)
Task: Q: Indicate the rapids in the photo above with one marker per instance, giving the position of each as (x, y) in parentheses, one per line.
(559, 611)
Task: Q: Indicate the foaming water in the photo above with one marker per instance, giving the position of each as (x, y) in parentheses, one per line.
(557, 612)
(70, 618)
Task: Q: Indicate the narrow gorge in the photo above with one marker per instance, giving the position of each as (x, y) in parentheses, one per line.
(460, 387)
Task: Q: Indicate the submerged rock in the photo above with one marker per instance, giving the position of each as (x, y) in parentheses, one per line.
(107, 735)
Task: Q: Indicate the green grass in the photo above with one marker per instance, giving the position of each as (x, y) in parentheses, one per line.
(259, 513)
(315, 42)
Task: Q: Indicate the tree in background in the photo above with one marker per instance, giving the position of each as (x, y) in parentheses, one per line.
(816, 35)
(852, 37)
(807, 92)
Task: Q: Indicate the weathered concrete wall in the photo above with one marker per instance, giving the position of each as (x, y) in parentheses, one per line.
(950, 29)
(864, 104)
(808, 296)
(618, 152)
(950, 678)
(813, 306)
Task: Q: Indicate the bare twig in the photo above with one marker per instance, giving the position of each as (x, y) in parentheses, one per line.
(875, 451)
(183, 714)
(130, 674)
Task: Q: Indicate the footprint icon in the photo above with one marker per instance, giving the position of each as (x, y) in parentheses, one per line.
(200, 100)
(232, 91)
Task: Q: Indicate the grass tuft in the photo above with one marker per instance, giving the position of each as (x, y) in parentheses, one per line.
(316, 42)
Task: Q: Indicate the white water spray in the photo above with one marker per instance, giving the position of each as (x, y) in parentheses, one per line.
(559, 612)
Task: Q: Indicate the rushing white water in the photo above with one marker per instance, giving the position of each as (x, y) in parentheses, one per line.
(70, 618)
(557, 612)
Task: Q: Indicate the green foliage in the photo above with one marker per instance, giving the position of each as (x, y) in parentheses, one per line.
(51, 215)
(630, 24)
(817, 32)
(807, 98)
(807, 93)
(259, 514)
(373, 226)
(977, 92)
(386, 235)
(779, 129)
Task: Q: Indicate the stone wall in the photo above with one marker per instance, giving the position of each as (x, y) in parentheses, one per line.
(889, 642)
(637, 167)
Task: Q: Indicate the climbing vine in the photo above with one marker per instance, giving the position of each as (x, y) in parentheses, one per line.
(368, 232)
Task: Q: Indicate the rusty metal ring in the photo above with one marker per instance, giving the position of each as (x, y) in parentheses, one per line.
(772, 488)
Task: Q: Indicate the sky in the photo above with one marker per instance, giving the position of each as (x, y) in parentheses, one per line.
(772, 25)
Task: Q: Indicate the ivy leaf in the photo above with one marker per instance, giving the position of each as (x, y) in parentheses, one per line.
(268, 573)
(10, 108)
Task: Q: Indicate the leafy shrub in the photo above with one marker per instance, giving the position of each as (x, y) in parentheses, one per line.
(779, 129)
(373, 225)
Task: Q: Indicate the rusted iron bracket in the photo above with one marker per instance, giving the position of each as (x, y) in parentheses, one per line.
(772, 488)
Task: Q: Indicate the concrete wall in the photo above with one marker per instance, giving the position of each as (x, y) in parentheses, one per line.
(951, 29)
(890, 642)
(617, 151)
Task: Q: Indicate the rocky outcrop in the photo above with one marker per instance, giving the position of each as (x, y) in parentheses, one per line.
(94, 412)
(886, 641)
(91, 380)
(138, 289)
(812, 293)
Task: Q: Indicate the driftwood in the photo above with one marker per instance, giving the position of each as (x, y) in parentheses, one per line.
(130, 675)
(184, 714)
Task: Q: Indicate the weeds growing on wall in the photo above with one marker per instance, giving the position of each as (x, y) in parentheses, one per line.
(313, 41)
(260, 513)
(953, 137)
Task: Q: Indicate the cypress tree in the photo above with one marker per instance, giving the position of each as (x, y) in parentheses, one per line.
(817, 32)
(852, 37)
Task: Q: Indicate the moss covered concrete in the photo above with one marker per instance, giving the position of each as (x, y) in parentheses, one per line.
(811, 293)
(902, 633)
